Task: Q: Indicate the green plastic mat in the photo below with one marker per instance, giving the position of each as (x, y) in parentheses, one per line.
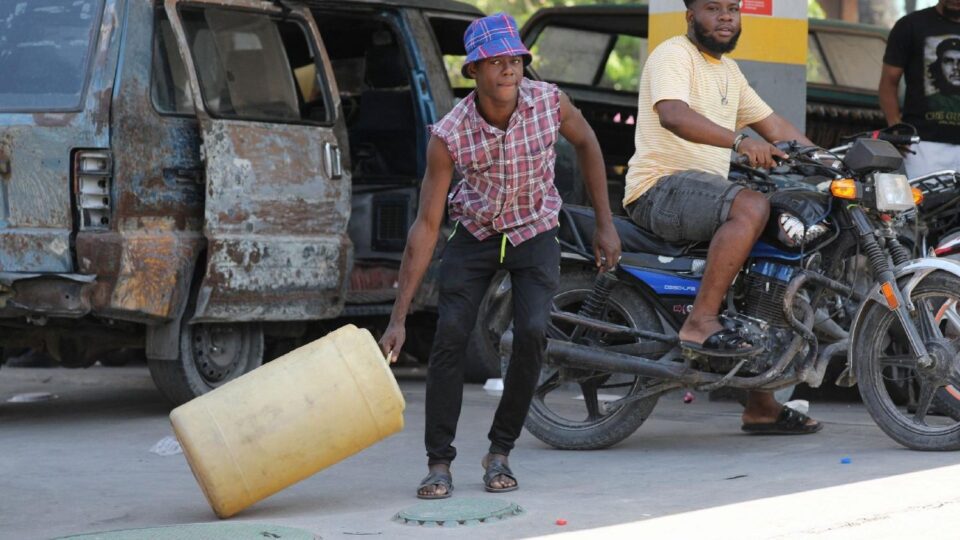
(202, 531)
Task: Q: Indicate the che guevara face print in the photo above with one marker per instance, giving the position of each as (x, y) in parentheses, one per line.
(942, 79)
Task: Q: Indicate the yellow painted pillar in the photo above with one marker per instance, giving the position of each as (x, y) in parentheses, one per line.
(772, 51)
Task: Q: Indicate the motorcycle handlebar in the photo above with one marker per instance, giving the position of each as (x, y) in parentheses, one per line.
(899, 140)
(900, 135)
(742, 159)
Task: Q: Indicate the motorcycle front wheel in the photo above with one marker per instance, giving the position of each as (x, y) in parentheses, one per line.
(579, 409)
(880, 345)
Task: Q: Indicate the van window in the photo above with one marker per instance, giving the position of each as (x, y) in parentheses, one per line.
(253, 67)
(449, 35)
(169, 88)
(45, 49)
(589, 57)
(855, 60)
(817, 70)
(567, 55)
(625, 64)
(370, 61)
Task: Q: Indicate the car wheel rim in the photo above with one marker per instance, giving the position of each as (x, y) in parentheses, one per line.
(217, 352)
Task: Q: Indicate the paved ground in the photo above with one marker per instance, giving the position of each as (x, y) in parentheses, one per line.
(81, 463)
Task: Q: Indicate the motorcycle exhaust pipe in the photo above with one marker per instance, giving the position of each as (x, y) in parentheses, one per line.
(572, 355)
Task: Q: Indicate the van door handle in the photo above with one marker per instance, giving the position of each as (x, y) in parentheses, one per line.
(332, 161)
(184, 176)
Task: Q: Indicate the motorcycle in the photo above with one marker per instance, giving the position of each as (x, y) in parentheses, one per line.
(612, 347)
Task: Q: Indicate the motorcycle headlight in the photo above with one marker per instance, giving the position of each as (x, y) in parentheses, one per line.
(792, 231)
(894, 193)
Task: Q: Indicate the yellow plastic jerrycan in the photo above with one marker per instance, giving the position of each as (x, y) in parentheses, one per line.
(288, 419)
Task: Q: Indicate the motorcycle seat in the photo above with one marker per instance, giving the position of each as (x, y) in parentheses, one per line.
(578, 222)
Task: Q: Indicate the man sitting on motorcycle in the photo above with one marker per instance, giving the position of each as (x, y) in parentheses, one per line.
(693, 100)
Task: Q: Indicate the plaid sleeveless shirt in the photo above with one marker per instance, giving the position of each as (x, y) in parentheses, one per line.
(507, 176)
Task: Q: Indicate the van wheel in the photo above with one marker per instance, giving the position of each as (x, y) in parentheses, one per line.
(210, 355)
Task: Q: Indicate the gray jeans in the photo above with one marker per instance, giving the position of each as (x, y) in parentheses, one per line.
(685, 207)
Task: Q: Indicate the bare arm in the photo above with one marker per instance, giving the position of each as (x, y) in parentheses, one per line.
(775, 128)
(574, 128)
(889, 87)
(678, 118)
(421, 241)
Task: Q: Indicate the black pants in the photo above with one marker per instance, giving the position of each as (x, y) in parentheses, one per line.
(466, 271)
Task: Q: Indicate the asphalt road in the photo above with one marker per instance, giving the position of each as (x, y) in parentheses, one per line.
(82, 463)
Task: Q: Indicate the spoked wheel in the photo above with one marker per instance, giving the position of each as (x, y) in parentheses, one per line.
(579, 409)
(947, 399)
(880, 347)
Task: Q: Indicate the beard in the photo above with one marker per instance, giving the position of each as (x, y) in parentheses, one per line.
(712, 45)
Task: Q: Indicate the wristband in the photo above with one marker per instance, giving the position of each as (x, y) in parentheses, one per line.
(738, 140)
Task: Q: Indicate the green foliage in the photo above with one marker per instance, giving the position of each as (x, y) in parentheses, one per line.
(814, 11)
(622, 71)
(523, 9)
(453, 65)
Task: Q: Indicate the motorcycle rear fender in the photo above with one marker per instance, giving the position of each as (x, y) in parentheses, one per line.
(914, 272)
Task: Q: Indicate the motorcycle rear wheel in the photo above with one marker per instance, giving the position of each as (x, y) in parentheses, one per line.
(577, 409)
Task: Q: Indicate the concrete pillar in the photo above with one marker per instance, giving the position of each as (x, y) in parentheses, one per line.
(772, 52)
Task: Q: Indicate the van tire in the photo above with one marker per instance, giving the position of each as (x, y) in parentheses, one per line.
(210, 356)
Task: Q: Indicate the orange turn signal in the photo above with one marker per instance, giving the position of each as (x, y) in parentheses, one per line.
(890, 295)
(844, 189)
(917, 196)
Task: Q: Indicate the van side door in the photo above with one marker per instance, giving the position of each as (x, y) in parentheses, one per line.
(277, 197)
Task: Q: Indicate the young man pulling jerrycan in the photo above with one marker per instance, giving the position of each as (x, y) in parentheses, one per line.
(501, 139)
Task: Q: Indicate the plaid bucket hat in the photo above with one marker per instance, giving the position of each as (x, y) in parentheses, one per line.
(494, 35)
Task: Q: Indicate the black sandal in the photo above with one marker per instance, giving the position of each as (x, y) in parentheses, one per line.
(496, 467)
(436, 479)
(789, 422)
(724, 343)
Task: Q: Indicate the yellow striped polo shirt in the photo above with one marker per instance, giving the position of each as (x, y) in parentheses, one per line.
(717, 89)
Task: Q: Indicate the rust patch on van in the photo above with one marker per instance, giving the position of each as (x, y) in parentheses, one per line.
(54, 119)
(143, 275)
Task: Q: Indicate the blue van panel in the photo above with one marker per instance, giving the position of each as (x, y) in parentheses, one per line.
(36, 206)
(665, 284)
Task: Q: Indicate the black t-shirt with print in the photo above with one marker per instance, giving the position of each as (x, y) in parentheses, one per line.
(927, 46)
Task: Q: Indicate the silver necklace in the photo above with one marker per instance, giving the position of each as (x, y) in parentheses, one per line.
(726, 88)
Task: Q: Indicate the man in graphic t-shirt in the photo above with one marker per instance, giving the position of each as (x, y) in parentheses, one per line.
(924, 47)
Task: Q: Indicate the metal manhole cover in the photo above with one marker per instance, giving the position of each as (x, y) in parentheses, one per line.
(458, 511)
(202, 531)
